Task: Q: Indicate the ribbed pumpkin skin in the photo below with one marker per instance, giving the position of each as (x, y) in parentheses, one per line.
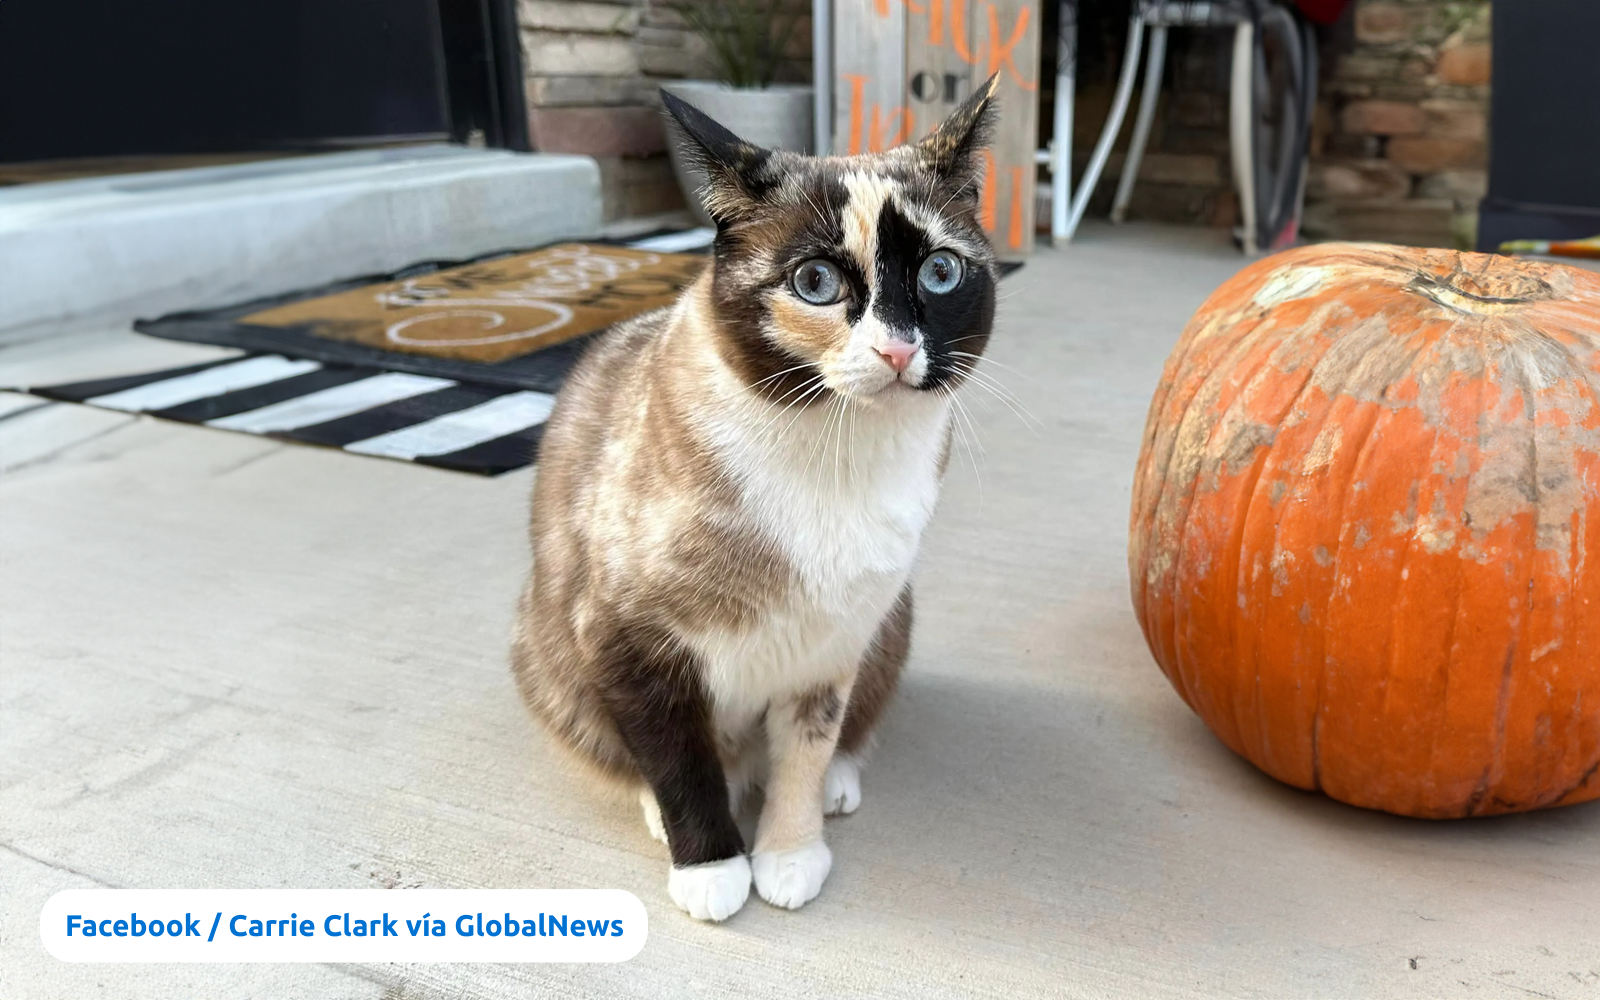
(1365, 540)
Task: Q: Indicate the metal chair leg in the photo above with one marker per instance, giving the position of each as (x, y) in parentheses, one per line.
(1061, 143)
(1119, 109)
(1241, 138)
(1157, 57)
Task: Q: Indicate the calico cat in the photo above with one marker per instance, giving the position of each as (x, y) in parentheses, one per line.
(732, 490)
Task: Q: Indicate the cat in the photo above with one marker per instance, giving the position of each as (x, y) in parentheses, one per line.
(732, 490)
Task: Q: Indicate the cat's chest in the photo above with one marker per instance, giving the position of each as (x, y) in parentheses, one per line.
(847, 514)
(844, 541)
(849, 535)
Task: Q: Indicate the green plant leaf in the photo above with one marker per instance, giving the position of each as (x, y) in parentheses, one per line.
(747, 38)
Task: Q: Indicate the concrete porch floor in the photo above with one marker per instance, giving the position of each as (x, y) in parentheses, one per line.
(228, 662)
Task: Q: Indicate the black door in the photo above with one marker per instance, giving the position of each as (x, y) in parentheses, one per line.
(1544, 123)
(98, 78)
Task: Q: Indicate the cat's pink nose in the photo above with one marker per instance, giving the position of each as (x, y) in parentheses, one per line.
(898, 353)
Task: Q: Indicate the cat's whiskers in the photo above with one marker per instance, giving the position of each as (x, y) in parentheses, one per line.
(801, 407)
(840, 440)
(1028, 420)
(975, 437)
(991, 361)
(970, 336)
(855, 415)
(769, 378)
(847, 438)
(986, 382)
(809, 383)
(989, 381)
(836, 420)
(811, 455)
(965, 434)
(811, 388)
(837, 425)
(953, 196)
(814, 206)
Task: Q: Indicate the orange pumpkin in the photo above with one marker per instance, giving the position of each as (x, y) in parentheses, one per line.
(1365, 541)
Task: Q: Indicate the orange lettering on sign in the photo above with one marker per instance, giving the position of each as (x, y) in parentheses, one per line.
(880, 138)
(1002, 53)
(958, 30)
(1014, 237)
(858, 85)
(956, 12)
(1000, 49)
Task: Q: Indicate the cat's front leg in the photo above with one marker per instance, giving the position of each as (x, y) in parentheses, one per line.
(791, 861)
(662, 713)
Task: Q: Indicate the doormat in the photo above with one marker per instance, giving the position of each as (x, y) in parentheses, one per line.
(517, 320)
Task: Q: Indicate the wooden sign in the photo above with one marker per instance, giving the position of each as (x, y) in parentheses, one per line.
(901, 66)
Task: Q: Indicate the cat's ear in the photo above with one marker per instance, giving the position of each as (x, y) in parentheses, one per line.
(954, 149)
(734, 176)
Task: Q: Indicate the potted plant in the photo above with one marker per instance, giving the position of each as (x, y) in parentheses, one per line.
(747, 41)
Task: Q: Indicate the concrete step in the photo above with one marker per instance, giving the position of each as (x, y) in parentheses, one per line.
(111, 249)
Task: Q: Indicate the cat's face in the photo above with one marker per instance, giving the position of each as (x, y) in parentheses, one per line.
(868, 276)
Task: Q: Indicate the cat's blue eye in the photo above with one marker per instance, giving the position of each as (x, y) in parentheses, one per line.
(941, 272)
(819, 282)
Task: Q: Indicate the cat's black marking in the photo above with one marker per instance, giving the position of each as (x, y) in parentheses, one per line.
(653, 693)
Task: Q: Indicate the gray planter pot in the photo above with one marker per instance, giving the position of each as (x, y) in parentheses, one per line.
(777, 117)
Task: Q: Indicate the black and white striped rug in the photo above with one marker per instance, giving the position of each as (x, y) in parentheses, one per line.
(417, 418)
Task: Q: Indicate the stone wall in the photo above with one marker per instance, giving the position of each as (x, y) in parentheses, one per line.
(592, 69)
(1398, 145)
(1401, 148)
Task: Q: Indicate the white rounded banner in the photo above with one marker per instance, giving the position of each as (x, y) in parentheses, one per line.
(344, 925)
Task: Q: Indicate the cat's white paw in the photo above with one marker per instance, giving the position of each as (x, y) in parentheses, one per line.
(712, 891)
(652, 815)
(841, 789)
(791, 879)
